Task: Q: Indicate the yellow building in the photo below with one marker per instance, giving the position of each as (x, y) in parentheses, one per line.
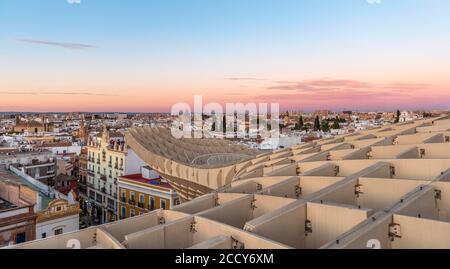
(142, 193)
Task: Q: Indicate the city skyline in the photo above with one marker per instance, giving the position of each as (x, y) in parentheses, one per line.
(141, 56)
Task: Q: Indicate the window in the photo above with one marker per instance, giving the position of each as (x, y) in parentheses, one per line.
(152, 203)
(132, 196)
(163, 203)
(21, 238)
(141, 198)
(131, 212)
(44, 235)
(99, 198)
(59, 231)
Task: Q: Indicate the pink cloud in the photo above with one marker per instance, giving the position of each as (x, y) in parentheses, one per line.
(342, 84)
(340, 93)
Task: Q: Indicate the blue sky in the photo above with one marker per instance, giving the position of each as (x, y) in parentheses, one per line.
(182, 47)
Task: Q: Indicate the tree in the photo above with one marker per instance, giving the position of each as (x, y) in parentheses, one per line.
(397, 118)
(224, 124)
(325, 126)
(335, 125)
(317, 124)
(307, 127)
(247, 124)
(300, 122)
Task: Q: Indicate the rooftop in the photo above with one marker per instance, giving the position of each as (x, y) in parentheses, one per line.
(155, 181)
(45, 199)
(387, 185)
(202, 153)
(54, 144)
(12, 153)
(5, 205)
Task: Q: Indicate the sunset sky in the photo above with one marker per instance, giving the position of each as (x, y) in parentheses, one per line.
(146, 55)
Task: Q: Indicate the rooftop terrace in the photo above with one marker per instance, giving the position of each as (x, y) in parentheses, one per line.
(139, 179)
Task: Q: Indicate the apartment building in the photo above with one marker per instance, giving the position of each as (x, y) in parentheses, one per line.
(108, 159)
(40, 165)
(82, 179)
(17, 216)
(58, 217)
(145, 192)
(40, 211)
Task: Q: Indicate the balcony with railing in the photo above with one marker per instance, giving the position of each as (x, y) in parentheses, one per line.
(111, 206)
(132, 202)
(141, 205)
(103, 177)
(82, 188)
